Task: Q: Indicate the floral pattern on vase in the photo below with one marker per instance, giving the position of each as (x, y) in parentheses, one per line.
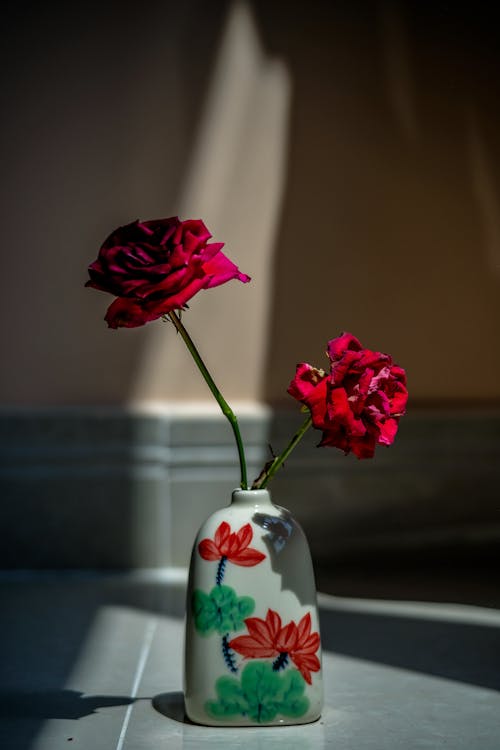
(270, 664)
(267, 638)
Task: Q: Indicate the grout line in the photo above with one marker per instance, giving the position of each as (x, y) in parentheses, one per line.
(143, 656)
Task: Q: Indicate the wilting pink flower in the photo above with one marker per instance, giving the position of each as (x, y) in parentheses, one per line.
(267, 638)
(358, 403)
(232, 546)
(154, 267)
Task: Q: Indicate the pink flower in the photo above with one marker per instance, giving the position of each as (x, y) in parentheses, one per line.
(231, 546)
(267, 638)
(358, 403)
(154, 267)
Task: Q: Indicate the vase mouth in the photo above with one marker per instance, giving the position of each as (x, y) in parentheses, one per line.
(251, 497)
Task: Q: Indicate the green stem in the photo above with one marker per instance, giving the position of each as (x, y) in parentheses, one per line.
(272, 467)
(225, 408)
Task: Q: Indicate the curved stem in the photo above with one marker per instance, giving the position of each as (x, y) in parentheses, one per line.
(225, 408)
(272, 467)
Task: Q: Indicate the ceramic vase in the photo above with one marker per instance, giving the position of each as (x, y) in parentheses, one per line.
(252, 643)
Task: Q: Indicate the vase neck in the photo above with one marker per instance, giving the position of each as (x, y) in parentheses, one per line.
(251, 497)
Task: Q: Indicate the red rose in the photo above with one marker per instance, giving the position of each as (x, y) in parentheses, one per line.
(154, 267)
(359, 402)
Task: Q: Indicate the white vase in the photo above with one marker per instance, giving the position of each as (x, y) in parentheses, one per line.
(252, 646)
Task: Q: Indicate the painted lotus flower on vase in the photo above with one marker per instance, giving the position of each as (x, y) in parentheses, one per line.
(268, 638)
(233, 546)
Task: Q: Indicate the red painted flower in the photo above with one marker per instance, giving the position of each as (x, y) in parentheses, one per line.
(268, 638)
(231, 546)
(358, 403)
(154, 267)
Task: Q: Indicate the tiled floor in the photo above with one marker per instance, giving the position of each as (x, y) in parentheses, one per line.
(95, 662)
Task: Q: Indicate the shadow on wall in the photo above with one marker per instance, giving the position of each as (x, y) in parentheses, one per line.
(234, 178)
(102, 102)
(391, 214)
(345, 152)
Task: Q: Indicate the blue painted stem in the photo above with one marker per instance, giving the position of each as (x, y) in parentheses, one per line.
(221, 569)
(280, 662)
(228, 655)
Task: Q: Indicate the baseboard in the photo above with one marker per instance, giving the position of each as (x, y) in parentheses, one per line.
(123, 489)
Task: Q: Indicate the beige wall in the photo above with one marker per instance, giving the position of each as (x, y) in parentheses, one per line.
(347, 153)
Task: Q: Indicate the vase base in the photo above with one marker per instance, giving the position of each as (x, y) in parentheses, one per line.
(242, 722)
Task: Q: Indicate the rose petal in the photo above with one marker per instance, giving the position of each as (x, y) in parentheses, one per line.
(341, 367)
(126, 313)
(220, 269)
(388, 432)
(307, 379)
(339, 411)
(337, 347)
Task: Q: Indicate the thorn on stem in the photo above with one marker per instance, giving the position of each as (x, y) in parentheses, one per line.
(271, 450)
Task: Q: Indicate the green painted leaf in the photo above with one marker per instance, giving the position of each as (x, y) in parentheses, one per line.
(221, 610)
(261, 694)
(231, 700)
(292, 700)
(261, 687)
(205, 612)
(246, 606)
